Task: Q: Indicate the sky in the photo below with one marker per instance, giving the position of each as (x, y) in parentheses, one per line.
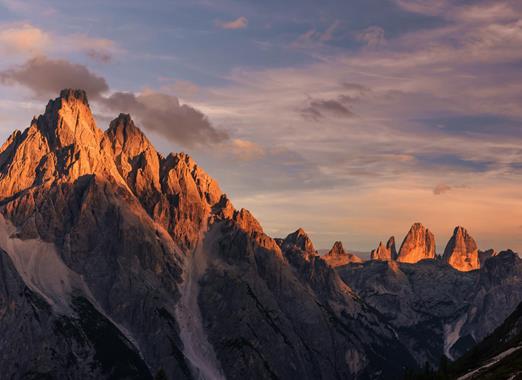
(352, 119)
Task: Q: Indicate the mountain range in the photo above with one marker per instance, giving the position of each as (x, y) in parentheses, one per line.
(117, 262)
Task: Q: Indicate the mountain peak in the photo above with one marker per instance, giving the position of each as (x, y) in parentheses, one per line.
(337, 249)
(419, 244)
(337, 256)
(299, 239)
(461, 251)
(70, 94)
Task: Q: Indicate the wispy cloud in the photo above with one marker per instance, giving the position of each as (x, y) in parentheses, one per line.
(239, 23)
(26, 40)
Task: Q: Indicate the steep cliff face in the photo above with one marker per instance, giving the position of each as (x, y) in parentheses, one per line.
(419, 244)
(461, 251)
(131, 250)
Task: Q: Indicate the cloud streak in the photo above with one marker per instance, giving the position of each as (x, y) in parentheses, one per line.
(27, 40)
(239, 23)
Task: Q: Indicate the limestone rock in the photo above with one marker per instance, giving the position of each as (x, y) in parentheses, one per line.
(419, 244)
(338, 256)
(461, 251)
(385, 253)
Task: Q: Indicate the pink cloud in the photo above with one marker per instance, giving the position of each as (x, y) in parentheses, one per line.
(239, 23)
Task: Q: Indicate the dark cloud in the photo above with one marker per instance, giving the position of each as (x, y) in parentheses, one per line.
(318, 108)
(164, 114)
(46, 77)
(441, 188)
(156, 111)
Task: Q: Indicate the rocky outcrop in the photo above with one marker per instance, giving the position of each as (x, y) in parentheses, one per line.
(461, 251)
(385, 253)
(419, 244)
(337, 256)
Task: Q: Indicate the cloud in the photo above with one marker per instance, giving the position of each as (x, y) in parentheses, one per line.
(22, 38)
(239, 23)
(163, 114)
(46, 77)
(441, 188)
(317, 108)
(26, 40)
(328, 34)
(372, 36)
(158, 112)
(247, 150)
(426, 7)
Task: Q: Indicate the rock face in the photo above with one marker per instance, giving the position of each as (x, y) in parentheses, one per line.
(435, 309)
(107, 243)
(337, 256)
(496, 357)
(461, 251)
(419, 244)
(385, 253)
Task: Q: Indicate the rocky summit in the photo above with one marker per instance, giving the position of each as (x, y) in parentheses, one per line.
(385, 252)
(337, 256)
(461, 251)
(419, 244)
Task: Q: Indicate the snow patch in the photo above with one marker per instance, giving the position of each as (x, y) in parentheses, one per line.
(451, 335)
(492, 362)
(196, 347)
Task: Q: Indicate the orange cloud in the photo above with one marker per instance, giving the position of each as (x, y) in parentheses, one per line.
(28, 41)
(239, 23)
(22, 38)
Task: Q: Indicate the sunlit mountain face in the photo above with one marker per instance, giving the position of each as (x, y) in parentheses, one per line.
(368, 214)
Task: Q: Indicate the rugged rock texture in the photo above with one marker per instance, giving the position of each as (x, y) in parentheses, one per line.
(385, 253)
(337, 256)
(499, 356)
(122, 263)
(461, 251)
(419, 244)
(435, 309)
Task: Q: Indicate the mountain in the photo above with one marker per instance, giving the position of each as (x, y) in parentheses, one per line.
(385, 253)
(419, 244)
(119, 262)
(461, 251)
(337, 256)
(435, 309)
(499, 356)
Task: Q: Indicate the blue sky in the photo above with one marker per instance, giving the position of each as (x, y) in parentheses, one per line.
(352, 119)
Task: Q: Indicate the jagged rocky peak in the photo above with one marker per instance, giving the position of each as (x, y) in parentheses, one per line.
(126, 136)
(337, 256)
(337, 249)
(390, 244)
(63, 144)
(461, 251)
(68, 119)
(300, 240)
(385, 252)
(381, 253)
(419, 244)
